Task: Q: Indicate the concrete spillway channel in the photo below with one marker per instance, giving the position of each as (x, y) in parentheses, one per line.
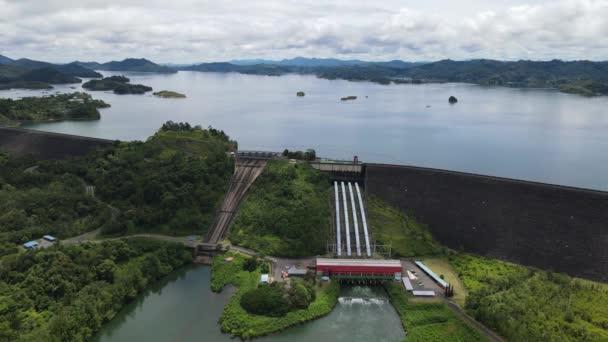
(346, 223)
(338, 234)
(346, 218)
(355, 221)
(244, 175)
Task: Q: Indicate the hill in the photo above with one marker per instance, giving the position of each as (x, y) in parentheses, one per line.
(30, 74)
(322, 62)
(136, 65)
(5, 60)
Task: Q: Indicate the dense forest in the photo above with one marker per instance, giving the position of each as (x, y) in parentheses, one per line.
(526, 304)
(286, 212)
(53, 107)
(171, 183)
(65, 293)
(35, 200)
(118, 84)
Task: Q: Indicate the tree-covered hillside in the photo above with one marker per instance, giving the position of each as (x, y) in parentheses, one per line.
(29, 74)
(66, 293)
(526, 304)
(286, 212)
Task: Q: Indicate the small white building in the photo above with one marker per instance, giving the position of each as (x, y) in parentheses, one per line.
(264, 279)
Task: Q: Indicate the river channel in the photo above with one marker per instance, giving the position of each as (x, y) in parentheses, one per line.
(182, 308)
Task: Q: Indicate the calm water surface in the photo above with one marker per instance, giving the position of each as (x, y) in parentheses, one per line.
(183, 308)
(539, 135)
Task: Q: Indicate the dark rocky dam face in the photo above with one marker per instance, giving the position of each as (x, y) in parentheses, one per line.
(46, 145)
(550, 227)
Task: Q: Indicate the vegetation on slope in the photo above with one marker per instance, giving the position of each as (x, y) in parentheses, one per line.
(74, 106)
(426, 322)
(236, 321)
(525, 304)
(41, 201)
(134, 65)
(286, 212)
(66, 293)
(407, 237)
(586, 88)
(118, 84)
(172, 183)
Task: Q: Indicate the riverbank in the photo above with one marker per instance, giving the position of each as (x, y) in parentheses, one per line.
(238, 322)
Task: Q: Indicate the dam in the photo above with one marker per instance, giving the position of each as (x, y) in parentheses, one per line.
(556, 228)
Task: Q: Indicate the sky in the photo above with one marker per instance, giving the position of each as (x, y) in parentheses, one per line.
(188, 31)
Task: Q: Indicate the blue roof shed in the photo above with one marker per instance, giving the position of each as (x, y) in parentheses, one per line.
(30, 244)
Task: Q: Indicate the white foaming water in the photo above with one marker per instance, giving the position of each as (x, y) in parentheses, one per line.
(361, 301)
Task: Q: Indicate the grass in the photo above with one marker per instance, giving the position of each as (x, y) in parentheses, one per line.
(238, 322)
(442, 267)
(429, 321)
(408, 237)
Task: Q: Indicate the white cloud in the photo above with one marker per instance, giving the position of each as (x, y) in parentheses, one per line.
(190, 31)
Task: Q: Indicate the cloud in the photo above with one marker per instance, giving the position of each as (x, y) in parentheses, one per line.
(192, 31)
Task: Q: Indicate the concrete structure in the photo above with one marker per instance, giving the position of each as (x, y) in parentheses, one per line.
(432, 274)
(49, 238)
(359, 268)
(296, 272)
(424, 293)
(264, 279)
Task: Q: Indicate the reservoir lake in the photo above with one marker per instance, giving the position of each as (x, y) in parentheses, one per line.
(531, 134)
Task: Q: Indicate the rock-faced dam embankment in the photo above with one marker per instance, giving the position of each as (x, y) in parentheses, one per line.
(551, 227)
(46, 145)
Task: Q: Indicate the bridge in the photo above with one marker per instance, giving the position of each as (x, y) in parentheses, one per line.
(258, 155)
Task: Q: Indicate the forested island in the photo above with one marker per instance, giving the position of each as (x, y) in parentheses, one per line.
(118, 84)
(74, 106)
(169, 94)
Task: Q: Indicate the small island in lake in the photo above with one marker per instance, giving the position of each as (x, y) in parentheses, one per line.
(300, 93)
(347, 98)
(169, 94)
(452, 100)
(119, 84)
(74, 106)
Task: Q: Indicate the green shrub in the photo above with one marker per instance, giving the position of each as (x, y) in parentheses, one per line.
(267, 300)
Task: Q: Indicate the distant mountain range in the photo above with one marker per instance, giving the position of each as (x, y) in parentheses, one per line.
(129, 64)
(32, 74)
(581, 77)
(323, 62)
